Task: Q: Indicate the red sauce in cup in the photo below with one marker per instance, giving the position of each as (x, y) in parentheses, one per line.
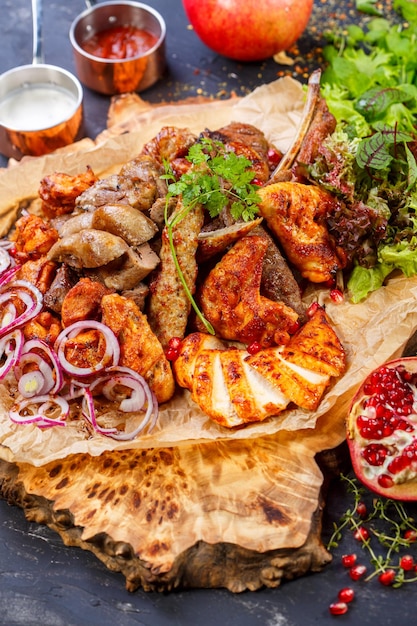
(120, 42)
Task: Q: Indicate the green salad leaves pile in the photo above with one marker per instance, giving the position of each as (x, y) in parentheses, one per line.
(370, 85)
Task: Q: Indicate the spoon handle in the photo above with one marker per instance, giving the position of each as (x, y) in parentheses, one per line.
(37, 17)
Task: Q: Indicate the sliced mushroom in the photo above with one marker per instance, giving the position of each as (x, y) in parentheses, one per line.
(88, 248)
(126, 222)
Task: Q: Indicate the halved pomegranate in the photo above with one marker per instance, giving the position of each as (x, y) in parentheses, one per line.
(382, 430)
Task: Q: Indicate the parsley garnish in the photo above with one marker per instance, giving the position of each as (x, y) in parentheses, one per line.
(217, 179)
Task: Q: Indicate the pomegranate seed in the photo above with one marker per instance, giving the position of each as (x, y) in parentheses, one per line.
(410, 535)
(314, 306)
(357, 571)
(274, 157)
(407, 562)
(257, 182)
(294, 327)
(385, 481)
(254, 347)
(12, 252)
(174, 343)
(348, 560)
(387, 577)
(361, 534)
(338, 608)
(336, 296)
(361, 509)
(171, 354)
(346, 594)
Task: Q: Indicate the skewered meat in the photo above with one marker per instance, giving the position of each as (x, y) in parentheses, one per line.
(231, 300)
(59, 191)
(139, 347)
(322, 125)
(45, 326)
(296, 214)
(169, 305)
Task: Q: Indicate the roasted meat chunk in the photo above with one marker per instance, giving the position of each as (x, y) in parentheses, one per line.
(117, 189)
(231, 300)
(64, 279)
(296, 214)
(83, 302)
(169, 144)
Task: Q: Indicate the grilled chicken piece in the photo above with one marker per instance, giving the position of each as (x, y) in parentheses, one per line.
(139, 347)
(169, 305)
(40, 273)
(45, 326)
(235, 388)
(33, 238)
(59, 191)
(230, 298)
(299, 384)
(296, 214)
(88, 248)
(253, 398)
(322, 125)
(83, 302)
(317, 346)
(191, 346)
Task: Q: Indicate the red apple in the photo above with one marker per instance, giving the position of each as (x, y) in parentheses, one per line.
(248, 30)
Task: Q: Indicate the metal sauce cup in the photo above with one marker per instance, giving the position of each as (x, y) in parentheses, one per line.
(113, 76)
(40, 105)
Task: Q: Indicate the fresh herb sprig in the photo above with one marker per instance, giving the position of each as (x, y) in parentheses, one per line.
(217, 179)
(385, 532)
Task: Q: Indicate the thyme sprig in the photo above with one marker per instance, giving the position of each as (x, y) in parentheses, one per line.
(218, 178)
(388, 522)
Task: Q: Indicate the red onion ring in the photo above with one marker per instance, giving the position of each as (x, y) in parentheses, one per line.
(31, 298)
(48, 366)
(5, 259)
(11, 354)
(38, 416)
(141, 396)
(6, 277)
(112, 350)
